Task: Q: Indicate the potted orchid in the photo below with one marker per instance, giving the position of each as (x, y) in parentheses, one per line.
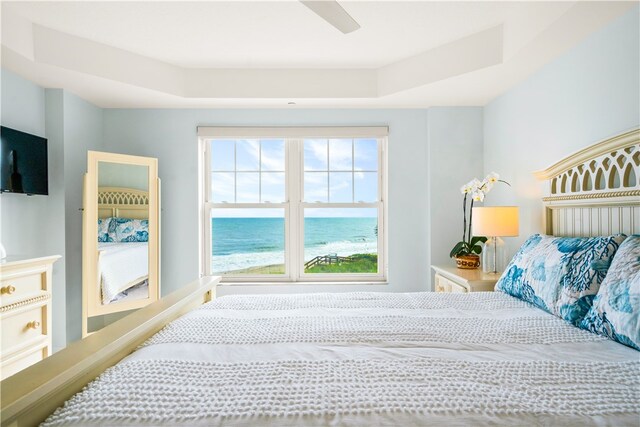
(467, 251)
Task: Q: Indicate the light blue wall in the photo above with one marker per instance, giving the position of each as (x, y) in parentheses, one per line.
(121, 175)
(170, 135)
(82, 131)
(23, 104)
(54, 216)
(23, 108)
(590, 93)
(455, 157)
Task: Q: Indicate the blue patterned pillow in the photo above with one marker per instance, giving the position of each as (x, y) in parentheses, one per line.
(616, 308)
(557, 274)
(106, 231)
(131, 230)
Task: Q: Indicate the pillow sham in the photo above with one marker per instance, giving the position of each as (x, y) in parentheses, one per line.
(616, 309)
(105, 231)
(557, 274)
(131, 230)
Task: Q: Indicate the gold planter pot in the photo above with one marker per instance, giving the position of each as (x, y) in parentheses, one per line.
(468, 262)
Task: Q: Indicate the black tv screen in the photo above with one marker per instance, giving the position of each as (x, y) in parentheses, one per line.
(23, 162)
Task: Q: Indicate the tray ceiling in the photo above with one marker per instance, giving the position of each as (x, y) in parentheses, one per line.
(239, 54)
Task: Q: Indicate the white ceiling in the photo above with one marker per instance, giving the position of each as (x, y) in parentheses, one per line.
(239, 54)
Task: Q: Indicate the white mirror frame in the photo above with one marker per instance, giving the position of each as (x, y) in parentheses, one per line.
(91, 301)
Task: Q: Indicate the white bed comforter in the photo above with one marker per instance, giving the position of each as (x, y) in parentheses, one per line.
(121, 266)
(366, 359)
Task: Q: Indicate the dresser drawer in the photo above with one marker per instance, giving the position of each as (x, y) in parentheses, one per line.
(17, 287)
(23, 360)
(21, 326)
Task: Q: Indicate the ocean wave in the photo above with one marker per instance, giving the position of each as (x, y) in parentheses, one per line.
(239, 261)
(342, 248)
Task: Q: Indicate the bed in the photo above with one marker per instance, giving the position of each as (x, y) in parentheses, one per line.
(366, 359)
(359, 358)
(122, 264)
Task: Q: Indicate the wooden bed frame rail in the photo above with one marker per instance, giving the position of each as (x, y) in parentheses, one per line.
(30, 396)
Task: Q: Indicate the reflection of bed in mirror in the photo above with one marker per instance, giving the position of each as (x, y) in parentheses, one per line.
(123, 254)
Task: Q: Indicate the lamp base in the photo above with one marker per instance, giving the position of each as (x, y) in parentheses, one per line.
(494, 256)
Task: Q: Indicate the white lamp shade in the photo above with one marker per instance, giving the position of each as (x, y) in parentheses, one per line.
(495, 221)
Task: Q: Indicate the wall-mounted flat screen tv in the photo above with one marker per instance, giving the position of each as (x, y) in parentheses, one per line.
(23, 162)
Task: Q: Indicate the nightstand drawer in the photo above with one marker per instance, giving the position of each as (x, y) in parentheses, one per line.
(14, 288)
(452, 279)
(20, 326)
(442, 284)
(445, 285)
(457, 289)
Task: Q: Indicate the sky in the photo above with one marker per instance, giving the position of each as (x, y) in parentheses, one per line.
(335, 170)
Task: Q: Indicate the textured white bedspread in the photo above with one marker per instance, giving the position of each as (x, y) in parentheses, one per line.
(121, 266)
(366, 359)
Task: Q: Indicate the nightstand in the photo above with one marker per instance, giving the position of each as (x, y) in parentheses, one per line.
(453, 279)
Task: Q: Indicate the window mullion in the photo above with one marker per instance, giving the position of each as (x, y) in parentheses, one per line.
(380, 170)
(235, 171)
(353, 173)
(259, 170)
(294, 186)
(328, 172)
(207, 168)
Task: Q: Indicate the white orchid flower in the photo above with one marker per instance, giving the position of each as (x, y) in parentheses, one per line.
(489, 181)
(470, 186)
(478, 196)
(492, 178)
(475, 184)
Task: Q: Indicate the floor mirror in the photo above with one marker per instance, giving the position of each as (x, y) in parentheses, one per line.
(121, 235)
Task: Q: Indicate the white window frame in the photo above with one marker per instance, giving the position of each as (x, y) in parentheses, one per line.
(294, 203)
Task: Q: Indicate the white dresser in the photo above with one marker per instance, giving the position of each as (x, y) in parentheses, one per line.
(25, 312)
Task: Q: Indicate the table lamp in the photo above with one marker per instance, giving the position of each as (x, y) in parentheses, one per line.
(495, 222)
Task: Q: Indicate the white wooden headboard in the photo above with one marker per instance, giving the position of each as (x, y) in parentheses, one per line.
(123, 203)
(595, 191)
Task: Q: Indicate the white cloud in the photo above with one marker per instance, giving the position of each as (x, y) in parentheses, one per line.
(273, 157)
(315, 154)
(222, 187)
(340, 154)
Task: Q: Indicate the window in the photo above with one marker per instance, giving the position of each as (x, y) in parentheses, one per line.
(293, 204)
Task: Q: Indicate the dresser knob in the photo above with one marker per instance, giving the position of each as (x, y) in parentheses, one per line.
(7, 290)
(33, 325)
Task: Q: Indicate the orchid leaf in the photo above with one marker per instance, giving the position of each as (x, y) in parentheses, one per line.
(477, 239)
(457, 249)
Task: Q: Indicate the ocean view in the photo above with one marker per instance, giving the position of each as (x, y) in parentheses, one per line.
(241, 243)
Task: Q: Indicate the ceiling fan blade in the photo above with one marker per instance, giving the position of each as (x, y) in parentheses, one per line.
(333, 13)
